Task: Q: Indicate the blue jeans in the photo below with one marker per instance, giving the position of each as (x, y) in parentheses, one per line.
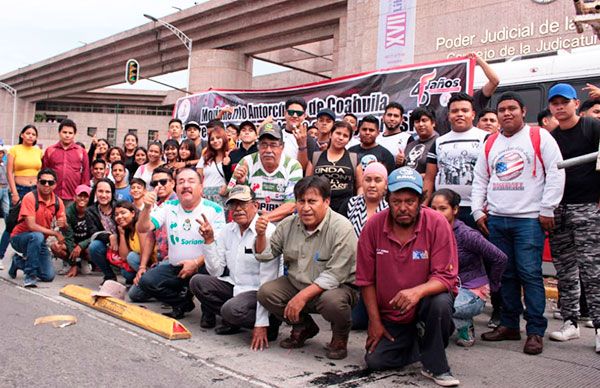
(21, 190)
(360, 317)
(522, 239)
(4, 201)
(136, 294)
(466, 306)
(97, 250)
(39, 261)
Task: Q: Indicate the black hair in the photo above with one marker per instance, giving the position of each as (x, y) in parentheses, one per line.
(214, 123)
(175, 120)
(588, 104)
(394, 105)
(237, 129)
(351, 115)
(542, 115)
(25, 128)
(47, 171)
(317, 182)
(420, 112)
(80, 144)
(342, 124)
(156, 143)
(189, 145)
(296, 100)
(130, 134)
(113, 164)
(67, 123)
(369, 119)
(96, 161)
(511, 96)
(139, 181)
(113, 190)
(485, 111)
(163, 170)
(451, 196)
(130, 229)
(119, 149)
(171, 143)
(460, 96)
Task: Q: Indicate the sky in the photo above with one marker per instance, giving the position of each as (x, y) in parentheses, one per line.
(34, 30)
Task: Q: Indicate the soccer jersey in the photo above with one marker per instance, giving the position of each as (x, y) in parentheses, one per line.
(185, 242)
(271, 188)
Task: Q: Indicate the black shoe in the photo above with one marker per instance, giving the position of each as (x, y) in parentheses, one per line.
(208, 320)
(12, 270)
(179, 311)
(273, 329)
(226, 329)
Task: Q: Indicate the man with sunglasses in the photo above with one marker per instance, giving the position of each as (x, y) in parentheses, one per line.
(297, 144)
(38, 211)
(162, 184)
(233, 295)
(270, 174)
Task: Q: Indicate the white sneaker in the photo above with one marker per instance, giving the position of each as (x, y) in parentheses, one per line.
(86, 267)
(586, 322)
(443, 379)
(597, 341)
(567, 332)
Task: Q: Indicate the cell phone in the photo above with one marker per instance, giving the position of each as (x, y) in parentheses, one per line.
(92, 131)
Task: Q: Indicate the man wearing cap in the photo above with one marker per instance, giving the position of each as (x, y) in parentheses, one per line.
(517, 186)
(407, 267)
(393, 138)
(325, 120)
(318, 247)
(270, 174)
(192, 132)
(233, 295)
(168, 282)
(248, 146)
(575, 239)
(38, 210)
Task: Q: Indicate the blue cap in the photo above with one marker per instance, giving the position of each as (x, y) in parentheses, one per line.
(563, 90)
(405, 178)
(326, 112)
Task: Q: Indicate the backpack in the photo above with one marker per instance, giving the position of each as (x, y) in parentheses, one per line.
(13, 215)
(534, 135)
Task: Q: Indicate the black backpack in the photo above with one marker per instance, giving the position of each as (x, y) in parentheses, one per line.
(13, 215)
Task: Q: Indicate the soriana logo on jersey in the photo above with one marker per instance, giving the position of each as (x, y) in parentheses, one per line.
(429, 84)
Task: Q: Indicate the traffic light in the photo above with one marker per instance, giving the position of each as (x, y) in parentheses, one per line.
(132, 71)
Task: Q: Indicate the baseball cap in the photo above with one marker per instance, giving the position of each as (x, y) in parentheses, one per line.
(240, 193)
(326, 112)
(192, 124)
(405, 178)
(563, 90)
(270, 129)
(111, 288)
(83, 189)
(250, 123)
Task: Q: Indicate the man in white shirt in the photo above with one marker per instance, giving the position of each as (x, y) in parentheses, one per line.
(393, 139)
(233, 295)
(516, 189)
(168, 283)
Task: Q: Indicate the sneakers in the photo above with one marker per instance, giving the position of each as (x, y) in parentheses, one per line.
(466, 336)
(29, 281)
(494, 321)
(443, 379)
(586, 322)
(86, 267)
(597, 341)
(568, 331)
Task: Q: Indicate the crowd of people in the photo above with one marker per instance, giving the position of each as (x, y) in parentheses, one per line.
(406, 234)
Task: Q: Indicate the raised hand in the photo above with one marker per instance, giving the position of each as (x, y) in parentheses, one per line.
(206, 230)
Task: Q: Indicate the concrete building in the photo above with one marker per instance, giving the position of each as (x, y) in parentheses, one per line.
(316, 39)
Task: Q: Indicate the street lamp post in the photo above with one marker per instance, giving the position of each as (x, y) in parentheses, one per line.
(187, 42)
(13, 92)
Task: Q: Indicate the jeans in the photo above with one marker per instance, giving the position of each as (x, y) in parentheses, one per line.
(21, 190)
(97, 251)
(466, 306)
(163, 283)
(135, 293)
(360, 317)
(522, 239)
(38, 262)
(4, 201)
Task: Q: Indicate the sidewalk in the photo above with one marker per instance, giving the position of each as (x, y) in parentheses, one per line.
(486, 364)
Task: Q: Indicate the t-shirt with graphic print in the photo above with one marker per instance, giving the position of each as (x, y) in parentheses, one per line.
(185, 242)
(416, 153)
(455, 154)
(272, 189)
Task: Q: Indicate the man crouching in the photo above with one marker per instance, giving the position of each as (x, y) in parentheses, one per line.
(319, 249)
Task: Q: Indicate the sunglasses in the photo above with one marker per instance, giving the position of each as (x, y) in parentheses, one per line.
(293, 112)
(162, 182)
(45, 182)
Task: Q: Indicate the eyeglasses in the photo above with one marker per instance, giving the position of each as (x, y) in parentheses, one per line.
(45, 182)
(162, 182)
(293, 112)
(264, 146)
(235, 204)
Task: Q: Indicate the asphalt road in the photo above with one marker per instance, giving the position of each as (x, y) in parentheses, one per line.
(92, 353)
